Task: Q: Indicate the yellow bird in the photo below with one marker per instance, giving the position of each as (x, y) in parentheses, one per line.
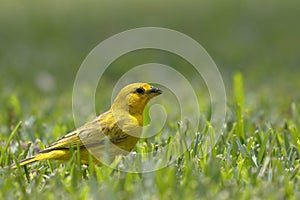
(112, 133)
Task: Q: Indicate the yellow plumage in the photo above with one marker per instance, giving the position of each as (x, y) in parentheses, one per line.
(112, 133)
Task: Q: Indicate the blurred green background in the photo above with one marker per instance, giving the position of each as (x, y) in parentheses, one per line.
(42, 43)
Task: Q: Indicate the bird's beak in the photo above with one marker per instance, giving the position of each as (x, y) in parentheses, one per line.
(155, 90)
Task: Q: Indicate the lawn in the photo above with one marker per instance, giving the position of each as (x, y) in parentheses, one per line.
(255, 46)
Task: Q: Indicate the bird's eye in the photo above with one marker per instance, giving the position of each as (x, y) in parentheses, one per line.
(140, 90)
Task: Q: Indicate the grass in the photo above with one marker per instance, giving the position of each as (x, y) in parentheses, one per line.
(260, 160)
(255, 46)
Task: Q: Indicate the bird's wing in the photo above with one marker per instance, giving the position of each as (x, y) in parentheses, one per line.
(91, 134)
(87, 134)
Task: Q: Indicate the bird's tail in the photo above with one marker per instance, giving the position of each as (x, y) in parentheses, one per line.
(63, 155)
(26, 161)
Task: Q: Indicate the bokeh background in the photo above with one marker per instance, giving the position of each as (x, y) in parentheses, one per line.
(43, 43)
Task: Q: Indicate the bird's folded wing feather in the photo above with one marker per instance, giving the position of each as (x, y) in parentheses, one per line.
(91, 134)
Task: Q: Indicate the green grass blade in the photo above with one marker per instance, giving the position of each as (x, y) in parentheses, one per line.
(263, 146)
(239, 100)
(11, 136)
(244, 152)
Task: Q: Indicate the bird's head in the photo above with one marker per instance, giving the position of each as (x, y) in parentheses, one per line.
(134, 97)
